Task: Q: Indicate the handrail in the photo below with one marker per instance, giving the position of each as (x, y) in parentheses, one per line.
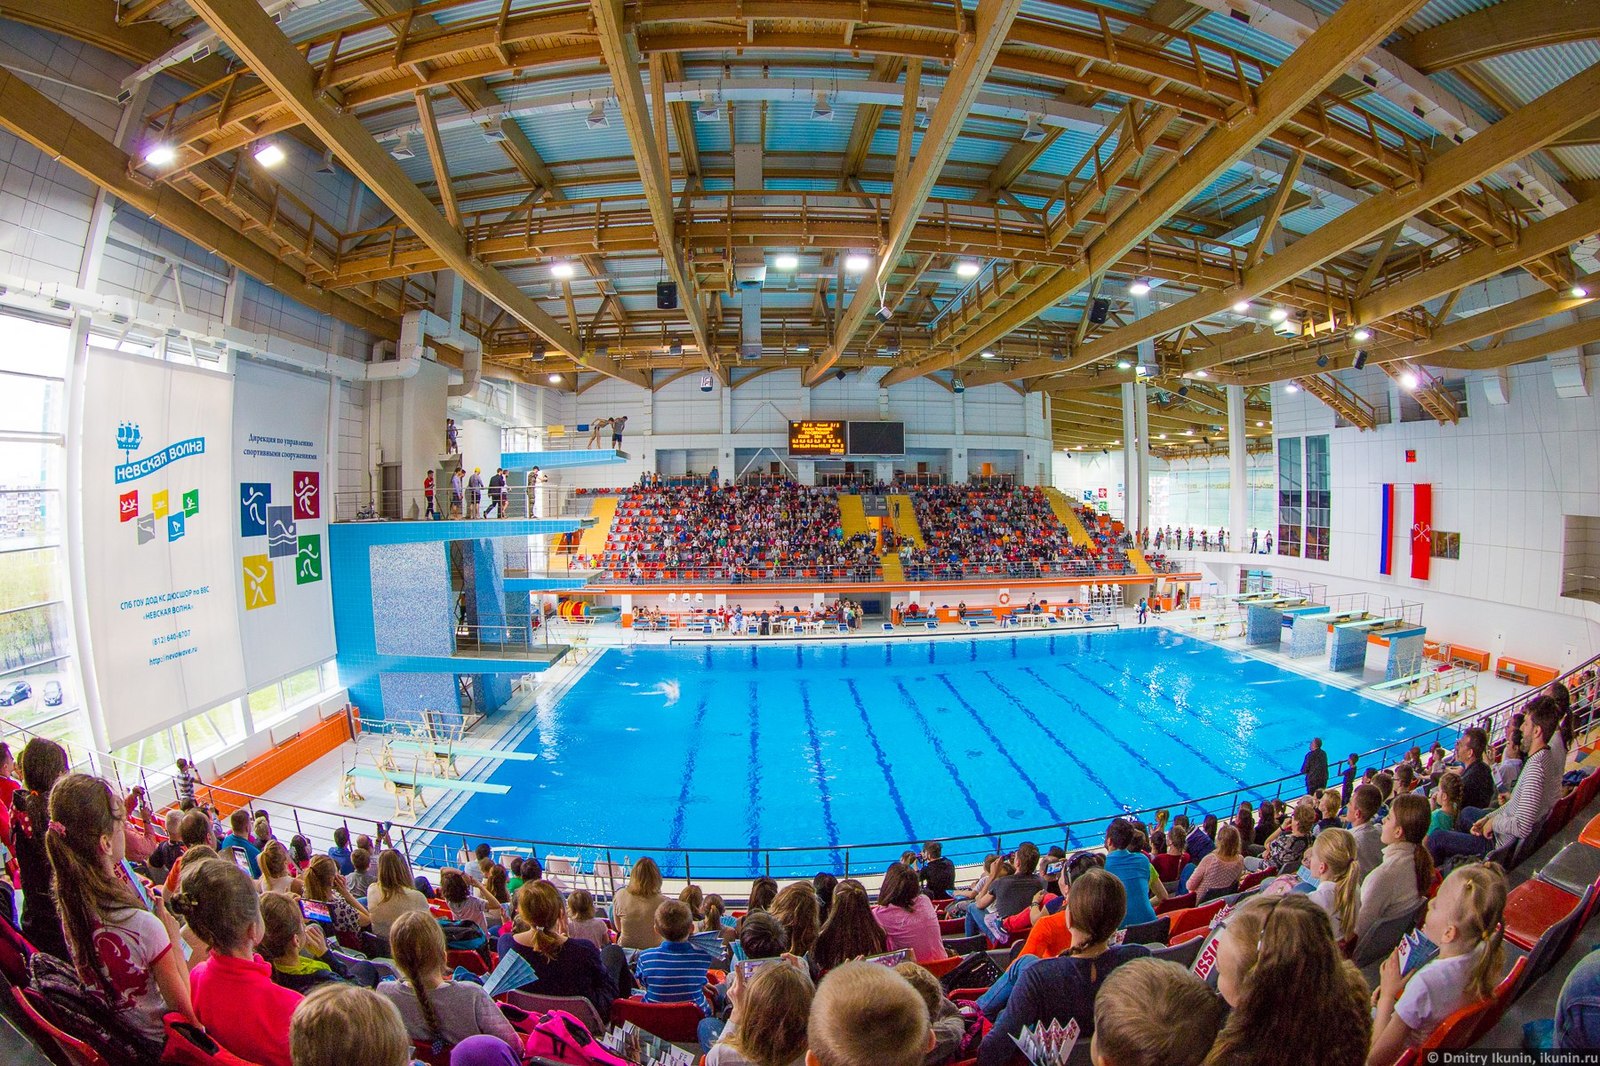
(428, 847)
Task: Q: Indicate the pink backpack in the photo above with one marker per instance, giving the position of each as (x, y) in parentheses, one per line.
(557, 1036)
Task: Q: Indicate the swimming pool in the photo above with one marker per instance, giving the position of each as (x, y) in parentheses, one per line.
(818, 745)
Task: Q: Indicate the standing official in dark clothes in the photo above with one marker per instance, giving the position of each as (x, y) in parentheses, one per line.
(1315, 767)
(1349, 783)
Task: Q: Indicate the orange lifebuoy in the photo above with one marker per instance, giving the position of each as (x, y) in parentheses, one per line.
(1005, 598)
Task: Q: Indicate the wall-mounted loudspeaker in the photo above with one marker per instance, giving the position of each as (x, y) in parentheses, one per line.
(1098, 310)
(1361, 358)
(667, 296)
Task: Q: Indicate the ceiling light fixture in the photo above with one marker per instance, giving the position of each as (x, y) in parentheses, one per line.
(1578, 291)
(1201, 374)
(1123, 364)
(1033, 132)
(1291, 387)
(402, 151)
(1242, 307)
(269, 153)
(857, 263)
(1409, 381)
(708, 111)
(803, 349)
(555, 379)
(562, 269)
(968, 268)
(494, 134)
(597, 119)
(822, 111)
(786, 261)
(1362, 335)
(1278, 314)
(1260, 425)
(1141, 287)
(159, 155)
(986, 354)
(327, 163)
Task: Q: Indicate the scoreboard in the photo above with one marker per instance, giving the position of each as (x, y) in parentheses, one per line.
(834, 438)
(817, 439)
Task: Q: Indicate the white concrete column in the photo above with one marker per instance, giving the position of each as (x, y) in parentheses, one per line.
(1130, 455)
(1238, 498)
(958, 454)
(1141, 494)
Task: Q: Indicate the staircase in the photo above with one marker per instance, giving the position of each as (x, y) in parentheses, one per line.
(1067, 515)
(1345, 403)
(852, 517)
(1140, 564)
(904, 517)
(593, 540)
(892, 570)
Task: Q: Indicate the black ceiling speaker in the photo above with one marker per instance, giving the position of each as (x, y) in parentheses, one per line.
(667, 296)
(1361, 358)
(1098, 310)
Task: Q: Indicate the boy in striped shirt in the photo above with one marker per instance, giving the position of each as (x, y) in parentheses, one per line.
(675, 972)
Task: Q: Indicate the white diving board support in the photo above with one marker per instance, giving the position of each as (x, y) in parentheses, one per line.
(1448, 692)
(1367, 623)
(449, 783)
(1402, 682)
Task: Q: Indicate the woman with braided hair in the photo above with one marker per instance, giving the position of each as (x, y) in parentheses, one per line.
(117, 943)
(437, 1010)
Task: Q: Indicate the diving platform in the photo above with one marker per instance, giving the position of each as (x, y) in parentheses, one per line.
(562, 459)
(451, 784)
(424, 530)
(445, 747)
(523, 581)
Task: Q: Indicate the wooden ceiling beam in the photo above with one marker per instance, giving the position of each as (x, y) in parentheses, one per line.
(980, 47)
(1525, 130)
(1353, 31)
(252, 36)
(621, 50)
(1497, 30)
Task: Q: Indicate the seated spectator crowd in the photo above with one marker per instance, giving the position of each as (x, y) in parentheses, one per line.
(287, 957)
(768, 529)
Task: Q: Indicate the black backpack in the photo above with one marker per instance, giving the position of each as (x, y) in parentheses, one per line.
(975, 971)
(87, 1013)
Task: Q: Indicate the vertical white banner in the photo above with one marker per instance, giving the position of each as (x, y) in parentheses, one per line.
(280, 430)
(158, 538)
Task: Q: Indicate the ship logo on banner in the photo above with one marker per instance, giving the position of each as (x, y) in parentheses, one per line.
(129, 439)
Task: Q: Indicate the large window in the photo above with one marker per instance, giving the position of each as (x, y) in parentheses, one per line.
(1291, 495)
(1319, 507)
(38, 674)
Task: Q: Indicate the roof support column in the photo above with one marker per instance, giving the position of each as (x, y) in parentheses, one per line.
(1238, 487)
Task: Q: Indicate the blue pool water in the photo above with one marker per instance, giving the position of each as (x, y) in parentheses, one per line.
(821, 746)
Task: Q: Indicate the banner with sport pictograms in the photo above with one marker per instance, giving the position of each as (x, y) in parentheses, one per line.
(280, 446)
(157, 541)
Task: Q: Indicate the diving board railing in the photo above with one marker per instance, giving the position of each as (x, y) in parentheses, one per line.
(603, 864)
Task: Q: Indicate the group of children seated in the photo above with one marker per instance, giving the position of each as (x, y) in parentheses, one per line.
(289, 958)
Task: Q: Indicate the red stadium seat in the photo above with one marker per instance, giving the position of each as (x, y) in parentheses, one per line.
(1533, 907)
(940, 967)
(14, 952)
(1193, 918)
(1175, 903)
(1500, 1000)
(470, 961)
(75, 1051)
(421, 1051)
(951, 925)
(678, 1023)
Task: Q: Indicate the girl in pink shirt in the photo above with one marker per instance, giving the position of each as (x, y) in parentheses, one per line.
(234, 996)
(907, 916)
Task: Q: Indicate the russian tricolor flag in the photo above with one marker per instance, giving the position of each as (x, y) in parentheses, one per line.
(1386, 533)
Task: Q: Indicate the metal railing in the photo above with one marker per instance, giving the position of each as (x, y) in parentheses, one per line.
(603, 866)
(549, 501)
(1070, 571)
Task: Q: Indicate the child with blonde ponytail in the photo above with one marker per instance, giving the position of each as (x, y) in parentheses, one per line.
(1331, 876)
(1466, 921)
(117, 943)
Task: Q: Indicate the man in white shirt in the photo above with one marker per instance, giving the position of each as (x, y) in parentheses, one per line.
(1537, 789)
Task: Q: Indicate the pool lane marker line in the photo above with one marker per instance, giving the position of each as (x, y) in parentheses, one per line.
(820, 772)
(1084, 768)
(883, 762)
(944, 758)
(675, 834)
(1153, 688)
(1077, 708)
(999, 747)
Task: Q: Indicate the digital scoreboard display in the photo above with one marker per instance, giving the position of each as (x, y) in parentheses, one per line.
(831, 438)
(817, 439)
(877, 438)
